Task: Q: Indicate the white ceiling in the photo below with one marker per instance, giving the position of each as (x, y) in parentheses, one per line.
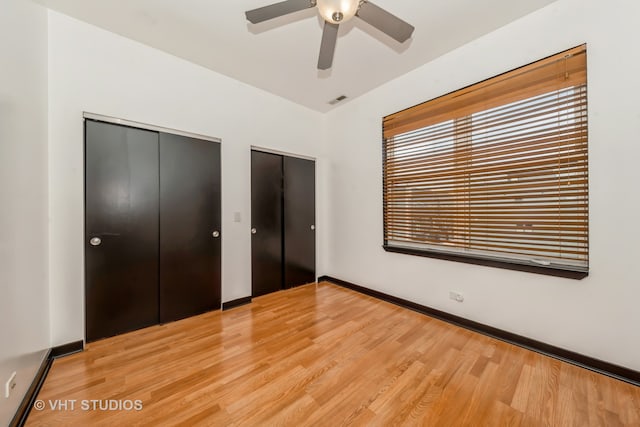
(280, 56)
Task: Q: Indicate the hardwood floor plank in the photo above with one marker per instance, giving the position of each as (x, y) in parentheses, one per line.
(325, 355)
(521, 393)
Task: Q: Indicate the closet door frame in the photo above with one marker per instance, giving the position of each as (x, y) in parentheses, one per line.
(145, 126)
(303, 157)
(133, 124)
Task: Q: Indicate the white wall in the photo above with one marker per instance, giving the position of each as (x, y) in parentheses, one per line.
(597, 316)
(24, 297)
(97, 71)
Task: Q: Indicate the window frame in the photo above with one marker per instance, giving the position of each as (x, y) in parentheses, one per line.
(566, 271)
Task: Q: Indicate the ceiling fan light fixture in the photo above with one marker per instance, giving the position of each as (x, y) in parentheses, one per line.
(337, 11)
(334, 12)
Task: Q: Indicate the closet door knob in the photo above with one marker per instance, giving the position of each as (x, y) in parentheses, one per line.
(254, 231)
(216, 234)
(313, 227)
(95, 241)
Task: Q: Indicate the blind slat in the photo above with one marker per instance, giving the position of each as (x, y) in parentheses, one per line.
(566, 69)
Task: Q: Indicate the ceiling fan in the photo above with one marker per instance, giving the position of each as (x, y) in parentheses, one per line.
(334, 12)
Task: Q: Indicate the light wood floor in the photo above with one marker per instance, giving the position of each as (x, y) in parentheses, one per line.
(324, 355)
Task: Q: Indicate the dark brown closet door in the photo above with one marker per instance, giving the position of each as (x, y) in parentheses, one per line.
(189, 226)
(266, 220)
(121, 229)
(299, 222)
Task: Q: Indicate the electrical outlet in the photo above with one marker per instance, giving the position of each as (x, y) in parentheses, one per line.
(456, 296)
(10, 385)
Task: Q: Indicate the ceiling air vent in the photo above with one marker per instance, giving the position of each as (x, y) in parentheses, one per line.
(338, 99)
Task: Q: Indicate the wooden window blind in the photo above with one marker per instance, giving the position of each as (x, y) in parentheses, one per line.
(495, 171)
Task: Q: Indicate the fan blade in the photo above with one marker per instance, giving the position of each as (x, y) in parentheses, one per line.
(275, 10)
(389, 24)
(328, 45)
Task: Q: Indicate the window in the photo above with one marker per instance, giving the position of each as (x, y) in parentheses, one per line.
(495, 173)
